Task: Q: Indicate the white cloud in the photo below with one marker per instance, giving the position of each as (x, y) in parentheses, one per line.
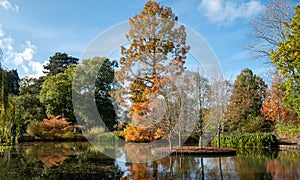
(11, 55)
(26, 54)
(9, 6)
(22, 58)
(226, 11)
(37, 68)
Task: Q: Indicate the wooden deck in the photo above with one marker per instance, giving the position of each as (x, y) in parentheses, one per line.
(195, 150)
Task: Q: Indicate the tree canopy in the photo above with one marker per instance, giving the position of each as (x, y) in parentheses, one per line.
(105, 78)
(286, 60)
(58, 63)
(91, 93)
(29, 85)
(56, 94)
(246, 99)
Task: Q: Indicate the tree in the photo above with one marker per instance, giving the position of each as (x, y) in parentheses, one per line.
(245, 102)
(11, 81)
(92, 85)
(104, 102)
(9, 87)
(26, 108)
(58, 63)
(218, 97)
(286, 60)
(31, 85)
(267, 28)
(155, 57)
(200, 103)
(273, 108)
(56, 94)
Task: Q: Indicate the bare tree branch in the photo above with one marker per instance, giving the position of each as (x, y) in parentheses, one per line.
(267, 28)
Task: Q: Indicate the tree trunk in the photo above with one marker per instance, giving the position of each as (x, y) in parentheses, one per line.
(220, 168)
(170, 140)
(202, 168)
(219, 134)
(200, 141)
(179, 138)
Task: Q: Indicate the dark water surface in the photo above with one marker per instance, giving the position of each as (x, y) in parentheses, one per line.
(83, 161)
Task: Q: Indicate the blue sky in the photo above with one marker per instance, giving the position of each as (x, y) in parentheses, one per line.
(31, 31)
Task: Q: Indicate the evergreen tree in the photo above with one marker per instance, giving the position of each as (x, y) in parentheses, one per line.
(246, 101)
(103, 86)
(91, 93)
(58, 63)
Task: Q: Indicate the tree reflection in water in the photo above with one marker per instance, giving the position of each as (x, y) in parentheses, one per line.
(84, 161)
(248, 164)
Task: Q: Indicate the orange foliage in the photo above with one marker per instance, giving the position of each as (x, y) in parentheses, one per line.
(142, 134)
(53, 154)
(53, 160)
(273, 108)
(140, 171)
(279, 171)
(57, 125)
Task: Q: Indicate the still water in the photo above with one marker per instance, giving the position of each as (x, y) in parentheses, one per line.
(83, 161)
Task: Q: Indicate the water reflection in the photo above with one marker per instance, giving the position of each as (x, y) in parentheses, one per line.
(57, 161)
(82, 160)
(248, 164)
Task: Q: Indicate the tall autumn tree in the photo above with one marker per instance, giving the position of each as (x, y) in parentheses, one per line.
(156, 55)
(245, 102)
(287, 61)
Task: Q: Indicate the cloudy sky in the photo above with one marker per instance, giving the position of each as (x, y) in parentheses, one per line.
(31, 31)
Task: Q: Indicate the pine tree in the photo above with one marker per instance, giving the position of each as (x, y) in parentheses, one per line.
(246, 100)
(58, 63)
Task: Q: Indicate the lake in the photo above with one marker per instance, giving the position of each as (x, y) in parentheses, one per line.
(81, 160)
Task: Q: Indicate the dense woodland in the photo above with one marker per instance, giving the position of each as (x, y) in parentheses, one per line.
(153, 67)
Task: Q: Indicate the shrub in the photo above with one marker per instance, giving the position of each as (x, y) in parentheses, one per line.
(287, 130)
(56, 127)
(107, 137)
(94, 132)
(34, 129)
(68, 136)
(247, 140)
